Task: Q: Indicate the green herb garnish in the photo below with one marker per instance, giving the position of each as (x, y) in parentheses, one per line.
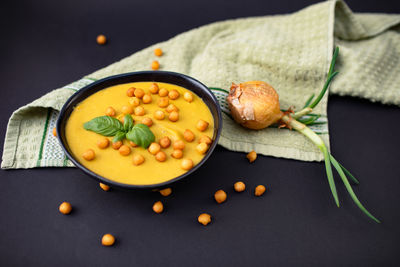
(140, 134)
(104, 125)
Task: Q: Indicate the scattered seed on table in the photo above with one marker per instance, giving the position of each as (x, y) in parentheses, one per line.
(101, 39)
(158, 207)
(155, 65)
(108, 240)
(158, 52)
(239, 186)
(166, 192)
(204, 218)
(65, 208)
(259, 191)
(220, 196)
(104, 187)
(252, 156)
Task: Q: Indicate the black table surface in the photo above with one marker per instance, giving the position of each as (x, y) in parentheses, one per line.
(47, 44)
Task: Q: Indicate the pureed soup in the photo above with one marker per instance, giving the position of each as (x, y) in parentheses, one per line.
(188, 114)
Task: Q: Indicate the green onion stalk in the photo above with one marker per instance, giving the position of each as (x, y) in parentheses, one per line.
(296, 122)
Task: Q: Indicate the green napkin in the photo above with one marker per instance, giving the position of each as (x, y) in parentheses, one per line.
(291, 52)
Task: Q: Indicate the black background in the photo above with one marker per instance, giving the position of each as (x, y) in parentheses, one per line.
(47, 44)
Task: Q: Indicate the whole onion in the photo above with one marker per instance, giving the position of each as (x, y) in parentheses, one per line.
(254, 104)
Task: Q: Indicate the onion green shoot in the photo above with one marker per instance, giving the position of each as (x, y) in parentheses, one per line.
(300, 126)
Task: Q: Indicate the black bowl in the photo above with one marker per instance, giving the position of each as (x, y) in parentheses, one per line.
(142, 76)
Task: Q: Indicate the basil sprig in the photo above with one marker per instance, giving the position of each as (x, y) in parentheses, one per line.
(104, 125)
(140, 134)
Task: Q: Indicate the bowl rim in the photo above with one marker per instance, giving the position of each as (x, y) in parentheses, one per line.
(62, 117)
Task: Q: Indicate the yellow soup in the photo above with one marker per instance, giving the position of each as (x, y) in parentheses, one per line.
(109, 163)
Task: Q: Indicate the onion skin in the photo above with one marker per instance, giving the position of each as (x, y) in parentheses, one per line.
(254, 104)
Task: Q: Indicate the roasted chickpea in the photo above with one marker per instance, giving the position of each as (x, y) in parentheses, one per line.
(205, 139)
(163, 92)
(204, 219)
(161, 156)
(110, 111)
(89, 154)
(252, 156)
(159, 115)
(103, 143)
(202, 148)
(154, 148)
(108, 240)
(259, 191)
(158, 52)
(54, 131)
(124, 150)
(179, 144)
(127, 109)
(130, 92)
(165, 142)
(188, 96)
(187, 164)
(155, 65)
(166, 192)
(139, 93)
(65, 208)
(147, 99)
(239, 186)
(173, 116)
(158, 207)
(162, 102)
(173, 94)
(116, 145)
(177, 153)
(147, 121)
(132, 144)
(101, 39)
(171, 107)
(188, 135)
(220, 196)
(104, 187)
(202, 125)
(139, 111)
(154, 88)
(134, 101)
(138, 159)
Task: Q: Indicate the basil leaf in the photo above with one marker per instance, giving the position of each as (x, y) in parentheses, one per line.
(104, 125)
(128, 122)
(119, 136)
(141, 135)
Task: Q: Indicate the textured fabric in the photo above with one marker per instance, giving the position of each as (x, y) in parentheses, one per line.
(291, 52)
